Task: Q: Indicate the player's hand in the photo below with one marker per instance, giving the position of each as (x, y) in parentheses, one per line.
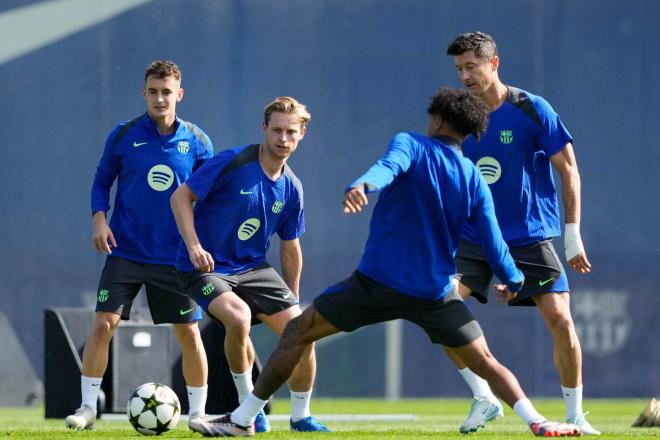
(102, 237)
(503, 294)
(580, 263)
(354, 200)
(202, 260)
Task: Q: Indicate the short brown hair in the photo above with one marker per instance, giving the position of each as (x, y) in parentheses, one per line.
(481, 43)
(289, 106)
(162, 69)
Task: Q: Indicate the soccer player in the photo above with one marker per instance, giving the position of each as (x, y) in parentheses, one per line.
(149, 156)
(428, 192)
(525, 140)
(242, 197)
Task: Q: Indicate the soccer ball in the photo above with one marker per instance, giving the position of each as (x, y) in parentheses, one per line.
(153, 408)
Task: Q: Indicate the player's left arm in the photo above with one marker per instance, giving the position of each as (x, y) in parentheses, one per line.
(291, 261)
(565, 164)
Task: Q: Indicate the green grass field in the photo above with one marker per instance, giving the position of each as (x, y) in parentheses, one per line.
(436, 418)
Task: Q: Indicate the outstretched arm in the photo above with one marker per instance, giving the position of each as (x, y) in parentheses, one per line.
(182, 206)
(566, 166)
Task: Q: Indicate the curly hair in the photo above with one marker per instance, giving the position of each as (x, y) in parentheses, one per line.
(289, 106)
(463, 111)
(162, 69)
(481, 43)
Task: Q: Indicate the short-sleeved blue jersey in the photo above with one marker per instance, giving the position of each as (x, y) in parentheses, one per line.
(429, 192)
(514, 158)
(240, 208)
(148, 168)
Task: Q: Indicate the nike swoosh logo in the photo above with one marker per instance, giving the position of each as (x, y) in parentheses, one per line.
(286, 295)
(245, 192)
(543, 283)
(96, 384)
(138, 144)
(185, 312)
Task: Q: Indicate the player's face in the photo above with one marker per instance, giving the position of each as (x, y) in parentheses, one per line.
(477, 74)
(161, 95)
(282, 134)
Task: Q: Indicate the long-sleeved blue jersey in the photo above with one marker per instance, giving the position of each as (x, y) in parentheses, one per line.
(429, 192)
(148, 168)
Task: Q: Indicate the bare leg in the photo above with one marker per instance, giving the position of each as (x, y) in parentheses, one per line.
(95, 355)
(478, 358)
(297, 339)
(193, 355)
(567, 353)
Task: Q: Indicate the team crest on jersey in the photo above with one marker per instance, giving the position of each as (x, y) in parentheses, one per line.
(277, 207)
(183, 147)
(506, 136)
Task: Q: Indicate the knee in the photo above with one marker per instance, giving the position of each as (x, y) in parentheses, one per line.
(188, 335)
(560, 322)
(104, 326)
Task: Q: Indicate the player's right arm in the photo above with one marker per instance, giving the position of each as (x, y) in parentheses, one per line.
(396, 160)
(182, 206)
(106, 173)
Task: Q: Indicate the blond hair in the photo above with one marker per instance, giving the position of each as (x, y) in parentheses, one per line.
(289, 106)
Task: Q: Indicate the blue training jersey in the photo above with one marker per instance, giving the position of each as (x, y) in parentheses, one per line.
(148, 168)
(240, 208)
(429, 191)
(514, 158)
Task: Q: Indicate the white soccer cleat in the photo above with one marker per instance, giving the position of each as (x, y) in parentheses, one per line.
(582, 423)
(83, 418)
(482, 411)
(222, 426)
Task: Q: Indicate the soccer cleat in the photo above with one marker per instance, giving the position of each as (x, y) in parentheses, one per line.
(83, 418)
(582, 423)
(219, 427)
(482, 411)
(194, 416)
(547, 428)
(308, 424)
(261, 423)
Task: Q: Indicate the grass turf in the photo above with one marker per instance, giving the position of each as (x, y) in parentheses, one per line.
(435, 418)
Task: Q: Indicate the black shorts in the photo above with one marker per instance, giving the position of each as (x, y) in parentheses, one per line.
(262, 289)
(539, 262)
(359, 301)
(120, 283)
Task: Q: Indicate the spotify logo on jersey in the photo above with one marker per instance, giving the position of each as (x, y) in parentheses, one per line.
(248, 228)
(160, 177)
(490, 168)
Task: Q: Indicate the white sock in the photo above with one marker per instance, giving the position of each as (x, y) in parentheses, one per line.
(479, 387)
(197, 399)
(247, 411)
(573, 401)
(243, 382)
(300, 404)
(527, 412)
(89, 389)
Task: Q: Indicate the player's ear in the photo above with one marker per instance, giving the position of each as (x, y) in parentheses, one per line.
(495, 62)
(180, 95)
(144, 93)
(264, 127)
(303, 130)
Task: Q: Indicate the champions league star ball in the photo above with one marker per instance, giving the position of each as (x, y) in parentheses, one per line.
(153, 408)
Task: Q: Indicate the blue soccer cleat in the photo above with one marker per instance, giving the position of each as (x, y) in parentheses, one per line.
(261, 423)
(308, 424)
